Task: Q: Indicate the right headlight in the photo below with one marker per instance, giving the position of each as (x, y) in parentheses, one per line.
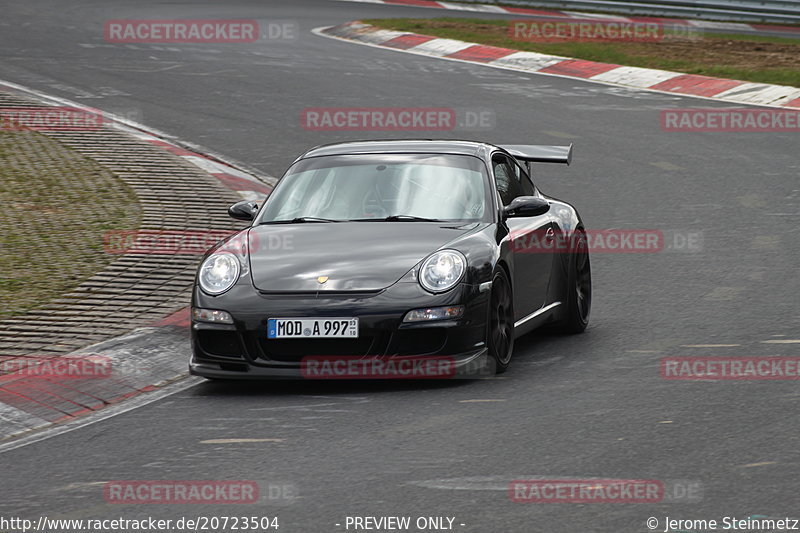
(219, 272)
(442, 270)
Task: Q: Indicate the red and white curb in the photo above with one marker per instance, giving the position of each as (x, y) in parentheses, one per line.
(578, 15)
(246, 184)
(739, 92)
(143, 365)
(140, 365)
(250, 184)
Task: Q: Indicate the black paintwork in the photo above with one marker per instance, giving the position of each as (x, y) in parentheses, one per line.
(371, 268)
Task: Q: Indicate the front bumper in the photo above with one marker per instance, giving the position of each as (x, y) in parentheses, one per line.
(242, 350)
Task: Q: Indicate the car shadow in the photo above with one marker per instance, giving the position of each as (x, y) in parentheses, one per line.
(302, 387)
(545, 346)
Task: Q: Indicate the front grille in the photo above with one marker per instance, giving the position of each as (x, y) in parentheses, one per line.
(418, 341)
(293, 350)
(220, 343)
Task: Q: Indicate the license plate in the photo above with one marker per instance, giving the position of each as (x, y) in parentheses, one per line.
(312, 328)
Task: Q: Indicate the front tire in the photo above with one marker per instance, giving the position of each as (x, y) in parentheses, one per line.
(501, 322)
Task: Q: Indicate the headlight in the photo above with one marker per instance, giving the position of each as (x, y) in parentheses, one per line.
(218, 273)
(434, 313)
(441, 271)
(211, 315)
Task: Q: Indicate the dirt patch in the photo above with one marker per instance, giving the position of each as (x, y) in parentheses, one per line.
(731, 53)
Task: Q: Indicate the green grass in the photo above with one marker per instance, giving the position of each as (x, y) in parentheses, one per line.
(612, 12)
(57, 204)
(692, 57)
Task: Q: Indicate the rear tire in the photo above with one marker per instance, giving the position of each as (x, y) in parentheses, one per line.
(500, 337)
(579, 287)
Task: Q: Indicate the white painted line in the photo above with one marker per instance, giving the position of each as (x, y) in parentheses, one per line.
(19, 420)
(781, 341)
(480, 401)
(238, 441)
(709, 345)
(719, 25)
(483, 8)
(763, 463)
(597, 16)
(560, 134)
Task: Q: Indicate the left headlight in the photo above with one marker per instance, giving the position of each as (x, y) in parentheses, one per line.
(218, 273)
(442, 270)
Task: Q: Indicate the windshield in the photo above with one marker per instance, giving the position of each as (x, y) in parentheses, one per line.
(380, 187)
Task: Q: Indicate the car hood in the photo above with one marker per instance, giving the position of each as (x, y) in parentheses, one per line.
(355, 256)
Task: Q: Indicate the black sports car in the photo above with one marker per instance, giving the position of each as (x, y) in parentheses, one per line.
(416, 258)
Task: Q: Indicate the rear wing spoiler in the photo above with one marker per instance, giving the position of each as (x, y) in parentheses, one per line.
(538, 153)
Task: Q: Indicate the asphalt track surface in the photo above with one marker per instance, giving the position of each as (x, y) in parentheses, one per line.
(588, 406)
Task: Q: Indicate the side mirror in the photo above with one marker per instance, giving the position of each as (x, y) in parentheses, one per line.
(244, 210)
(526, 206)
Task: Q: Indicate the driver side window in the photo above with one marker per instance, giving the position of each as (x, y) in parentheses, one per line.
(525, 182)
(507, 179)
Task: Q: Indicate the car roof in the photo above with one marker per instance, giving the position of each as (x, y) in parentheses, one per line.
(432, 146)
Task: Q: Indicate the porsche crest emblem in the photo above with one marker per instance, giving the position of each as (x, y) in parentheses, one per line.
(322, 279)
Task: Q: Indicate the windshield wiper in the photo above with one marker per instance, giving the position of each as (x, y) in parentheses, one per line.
(299, 220)
(409, 218)
(396, 218)
(391, 218)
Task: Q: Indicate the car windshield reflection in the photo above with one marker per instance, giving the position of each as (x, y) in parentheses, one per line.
(380, 188)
